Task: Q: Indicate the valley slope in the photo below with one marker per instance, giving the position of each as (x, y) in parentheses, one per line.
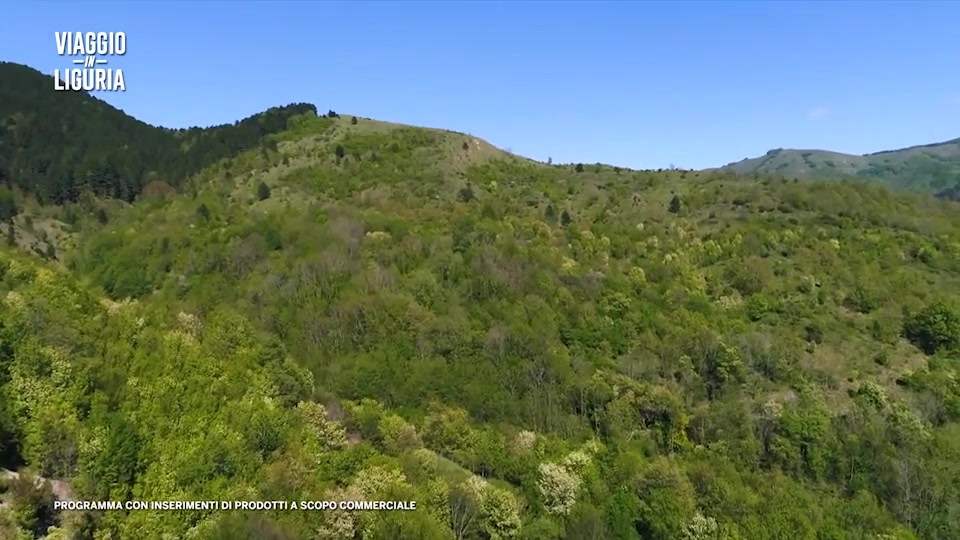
(354, 309)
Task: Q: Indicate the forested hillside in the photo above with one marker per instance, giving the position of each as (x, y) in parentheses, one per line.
(56, 145)
(361, 310)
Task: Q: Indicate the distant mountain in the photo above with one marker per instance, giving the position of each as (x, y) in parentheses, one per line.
(932, 168)
(56, 144)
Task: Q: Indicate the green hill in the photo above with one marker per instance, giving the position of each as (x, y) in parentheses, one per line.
(931, 168)
(56, 145)
(354, 309)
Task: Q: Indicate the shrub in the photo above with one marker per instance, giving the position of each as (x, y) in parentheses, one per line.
(934, 328)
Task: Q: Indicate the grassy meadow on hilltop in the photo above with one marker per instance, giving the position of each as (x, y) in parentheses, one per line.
(354, 309)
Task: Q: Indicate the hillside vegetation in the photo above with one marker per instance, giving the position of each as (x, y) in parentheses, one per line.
(362, 310)
(56, 145)
(931, 168)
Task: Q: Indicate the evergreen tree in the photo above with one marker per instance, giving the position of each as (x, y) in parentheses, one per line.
(675, 204)
(263, 191)
(565, 218)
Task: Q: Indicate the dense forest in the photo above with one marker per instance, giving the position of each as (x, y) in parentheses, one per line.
(357, 310)
(56, 145)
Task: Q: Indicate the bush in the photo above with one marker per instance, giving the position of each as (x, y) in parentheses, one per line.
(934, 328)
(862, 300)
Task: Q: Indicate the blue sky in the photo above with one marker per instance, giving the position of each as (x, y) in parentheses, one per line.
(638, 84)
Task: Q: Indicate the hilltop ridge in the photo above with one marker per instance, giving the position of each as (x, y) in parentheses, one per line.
(86, 126)
(931, 168)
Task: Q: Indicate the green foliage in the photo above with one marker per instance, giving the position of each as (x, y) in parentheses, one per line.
(60, 144)
(466, 194)
(931, 168)
(550, 214)
(8, 207)
(368, 332)
(203, 212)
(862, 300)
(934, 328)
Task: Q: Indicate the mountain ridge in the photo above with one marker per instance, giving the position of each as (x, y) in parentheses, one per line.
(916, 146)
(929, 168)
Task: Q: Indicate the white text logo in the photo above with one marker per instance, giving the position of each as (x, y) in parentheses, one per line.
(91, 51)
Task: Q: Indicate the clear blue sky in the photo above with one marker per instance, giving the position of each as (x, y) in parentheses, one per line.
(639, 84)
